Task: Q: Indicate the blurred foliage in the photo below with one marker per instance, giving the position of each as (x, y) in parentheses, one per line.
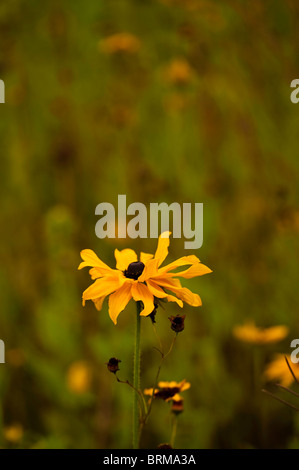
(164, 100)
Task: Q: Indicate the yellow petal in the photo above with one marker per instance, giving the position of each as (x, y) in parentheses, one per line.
(150, 270)
(171, 384)
(172, 298)
(162, 249)
(278, 370)
(248, 333)
(102, 287)
(96, 273)
(197, 269)
(99, 302)
(91, 259)
(124, 258)
(149, 391)
(145, 257)
(184, 386)
(167, 282)
(141, 292)
(176, 397)
(119, 300)
(275, 333)
(184, 261)
(160, 293)
(187, 296)
(182, 293)
(156, 290)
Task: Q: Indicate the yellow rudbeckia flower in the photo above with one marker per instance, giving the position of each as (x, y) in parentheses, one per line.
(141, 280)
(168, 390)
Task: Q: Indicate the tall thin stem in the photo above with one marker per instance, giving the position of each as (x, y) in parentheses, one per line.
(163, 356)
(136, 379)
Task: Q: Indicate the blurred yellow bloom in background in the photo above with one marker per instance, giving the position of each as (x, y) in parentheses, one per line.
(120, 42)
(179, 72)
(13, 433)
(141, 280)
(250, 333)
(79, 377)
(168, 390)
(278, 370)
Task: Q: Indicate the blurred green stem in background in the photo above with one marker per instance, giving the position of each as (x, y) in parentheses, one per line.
(136, 379)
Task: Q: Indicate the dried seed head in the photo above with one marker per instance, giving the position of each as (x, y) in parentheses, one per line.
(164, 446)
(177, 323)
(177, 406)
(112, 364)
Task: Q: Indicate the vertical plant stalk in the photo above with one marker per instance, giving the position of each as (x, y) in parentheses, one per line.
(163, 356)
(136, 379)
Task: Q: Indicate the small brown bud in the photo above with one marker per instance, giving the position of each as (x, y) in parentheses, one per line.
(112, 364)
(177, 406)
(177, 323)
(164, 446)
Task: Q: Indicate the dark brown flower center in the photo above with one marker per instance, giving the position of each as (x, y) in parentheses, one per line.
(166, 392)
(134, 270)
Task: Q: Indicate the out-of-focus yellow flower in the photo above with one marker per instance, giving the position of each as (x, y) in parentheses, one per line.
(179, 72)
(142, 280)
(278, 370)
(250, 333)
(168, 390)
(13, 433)
(120, 42)
(79, 377)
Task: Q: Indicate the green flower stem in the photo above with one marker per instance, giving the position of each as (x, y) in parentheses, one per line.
(163, 356)
(136, 379)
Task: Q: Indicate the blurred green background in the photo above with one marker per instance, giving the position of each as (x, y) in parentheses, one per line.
(161, 100)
